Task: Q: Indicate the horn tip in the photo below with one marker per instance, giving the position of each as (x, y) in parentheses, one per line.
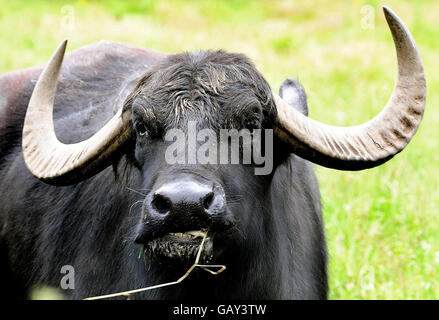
(62, 46)
(58, 55)
(390, 14)
(64, 42)
(386, 9)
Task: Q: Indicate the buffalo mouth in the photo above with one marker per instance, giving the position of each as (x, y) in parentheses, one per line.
(182, 246)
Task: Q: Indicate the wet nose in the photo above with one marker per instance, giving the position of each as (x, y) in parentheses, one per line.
(187, 197)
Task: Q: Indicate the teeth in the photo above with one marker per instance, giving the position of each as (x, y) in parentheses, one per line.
(189, 234)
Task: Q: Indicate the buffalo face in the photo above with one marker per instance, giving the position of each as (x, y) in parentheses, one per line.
(187, 200)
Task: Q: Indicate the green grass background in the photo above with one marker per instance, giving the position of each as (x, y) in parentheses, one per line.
(382, 225)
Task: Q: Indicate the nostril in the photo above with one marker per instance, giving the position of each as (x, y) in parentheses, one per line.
(161, 204)
(207, 201)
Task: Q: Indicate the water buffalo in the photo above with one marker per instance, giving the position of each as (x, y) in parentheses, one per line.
(99, 196)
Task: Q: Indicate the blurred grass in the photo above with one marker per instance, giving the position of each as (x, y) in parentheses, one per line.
(381, 224)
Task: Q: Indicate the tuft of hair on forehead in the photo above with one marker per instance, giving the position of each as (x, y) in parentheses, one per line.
(196, 82)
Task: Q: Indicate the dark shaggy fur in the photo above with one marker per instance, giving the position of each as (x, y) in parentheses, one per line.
(277, 248)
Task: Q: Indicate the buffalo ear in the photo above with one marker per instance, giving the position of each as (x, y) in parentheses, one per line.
(293, 93)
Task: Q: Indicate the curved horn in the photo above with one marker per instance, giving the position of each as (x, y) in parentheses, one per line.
(52, 161)
(376, 141)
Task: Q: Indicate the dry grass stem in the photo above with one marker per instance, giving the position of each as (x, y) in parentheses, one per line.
(196, 264)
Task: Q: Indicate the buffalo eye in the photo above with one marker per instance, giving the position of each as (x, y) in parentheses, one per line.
(141, 129)
(252, 118)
